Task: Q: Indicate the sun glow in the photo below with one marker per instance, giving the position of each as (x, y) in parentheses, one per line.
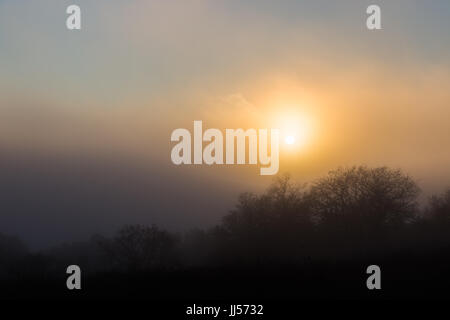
(289, 139)
(295, 127)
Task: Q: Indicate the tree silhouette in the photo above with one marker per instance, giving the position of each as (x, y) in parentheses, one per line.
(439, 208)
(268, 226)
(12, 249)
(138, 248)
(290, 234)
(282, 206)
(371, 198)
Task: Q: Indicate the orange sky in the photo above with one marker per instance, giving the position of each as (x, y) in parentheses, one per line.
(137, 71)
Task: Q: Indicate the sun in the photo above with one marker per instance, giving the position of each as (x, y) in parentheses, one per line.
(290, 140)
(295, 128)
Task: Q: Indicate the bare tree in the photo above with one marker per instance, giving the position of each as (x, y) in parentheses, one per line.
(281, 206)
(373, 197)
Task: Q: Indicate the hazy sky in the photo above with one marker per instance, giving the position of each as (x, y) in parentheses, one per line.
(86, 116)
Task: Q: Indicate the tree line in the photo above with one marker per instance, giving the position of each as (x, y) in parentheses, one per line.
(350, 212)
